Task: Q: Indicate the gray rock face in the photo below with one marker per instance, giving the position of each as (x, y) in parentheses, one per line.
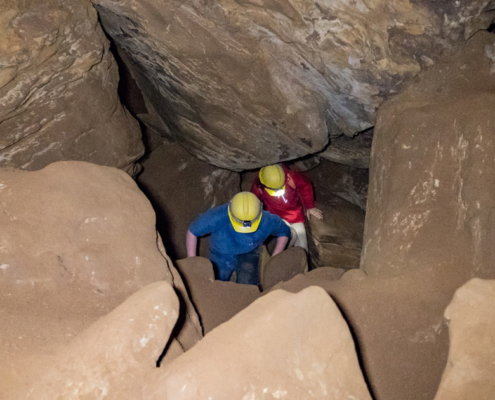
(58, 89)
(432, 176)
(248, 83)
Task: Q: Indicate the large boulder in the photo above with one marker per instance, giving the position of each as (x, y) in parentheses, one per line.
(433, 172)
(471, 366)
(249, 83)
(77, 239)
(58, 89)
(283, 346)
(283, 267)
(181, 187)
(398, 325)
(110, 359)
(215, 301)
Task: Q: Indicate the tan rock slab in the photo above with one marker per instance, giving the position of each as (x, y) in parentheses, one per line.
(470, 369)
(283, 346)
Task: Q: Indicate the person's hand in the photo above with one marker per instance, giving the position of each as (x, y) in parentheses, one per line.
(315, 212)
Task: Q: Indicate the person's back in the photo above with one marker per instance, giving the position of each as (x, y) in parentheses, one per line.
(289, 195)
(237, 228)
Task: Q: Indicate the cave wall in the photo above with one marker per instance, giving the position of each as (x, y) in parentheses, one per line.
(430, 201)
(245, 83)
(58, 89)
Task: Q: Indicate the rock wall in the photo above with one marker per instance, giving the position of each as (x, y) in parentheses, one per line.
(58, 89)
(77, 239)
(432, 172)
(242, 84)
(181, 187)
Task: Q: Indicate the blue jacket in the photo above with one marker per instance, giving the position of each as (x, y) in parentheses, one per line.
(225, 240)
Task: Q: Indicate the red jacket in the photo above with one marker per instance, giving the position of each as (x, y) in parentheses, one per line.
(298, 197)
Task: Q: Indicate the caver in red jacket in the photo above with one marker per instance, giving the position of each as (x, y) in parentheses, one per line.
(290, 206)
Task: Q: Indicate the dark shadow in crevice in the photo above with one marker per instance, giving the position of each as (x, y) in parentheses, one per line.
(181, 319)
(357, 346)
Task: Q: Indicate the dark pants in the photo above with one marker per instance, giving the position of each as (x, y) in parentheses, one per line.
(246, 266)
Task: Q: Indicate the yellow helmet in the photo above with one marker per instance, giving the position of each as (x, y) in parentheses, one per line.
(245, 212)
(273, 178)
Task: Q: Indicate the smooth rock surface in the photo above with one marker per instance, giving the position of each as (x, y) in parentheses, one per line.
(58, 89)
(433, 172)
(215, 301)
(471, 365)
(294, 346)
(283, 267)
(398, 325)
(249, 83)
(77, 239)
(181, 187)
(112, 357)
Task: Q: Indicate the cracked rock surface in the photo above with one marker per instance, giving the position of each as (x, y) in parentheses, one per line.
(247, 83)
(58, 89)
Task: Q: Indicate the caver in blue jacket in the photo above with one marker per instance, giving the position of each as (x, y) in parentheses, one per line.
(231, 250)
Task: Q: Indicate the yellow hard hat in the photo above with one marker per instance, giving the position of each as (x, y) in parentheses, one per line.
(245, 212)
(273, 178)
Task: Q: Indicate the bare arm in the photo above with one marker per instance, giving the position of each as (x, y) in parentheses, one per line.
(191, 244)
(281, 243)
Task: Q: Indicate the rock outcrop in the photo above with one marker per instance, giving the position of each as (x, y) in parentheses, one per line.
(471, 366)
(432, 170)
(110, 359)
(354, 151)
(397, 323)
(181, 187)
(77, 239)
(283, 346)
(215, 301)
(336, 240)
(283, 267)
(249, 83)
(58, 89)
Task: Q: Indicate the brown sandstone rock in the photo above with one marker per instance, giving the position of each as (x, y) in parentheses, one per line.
(215, 301)
(58, 89)
(283, 346)
(471, 366)
(432, 172)
(112, 357)
(283, 267)
(398, 325)
(181, 187)
(336, 240)
(248, 83)
(77, 239)
(327, 273)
